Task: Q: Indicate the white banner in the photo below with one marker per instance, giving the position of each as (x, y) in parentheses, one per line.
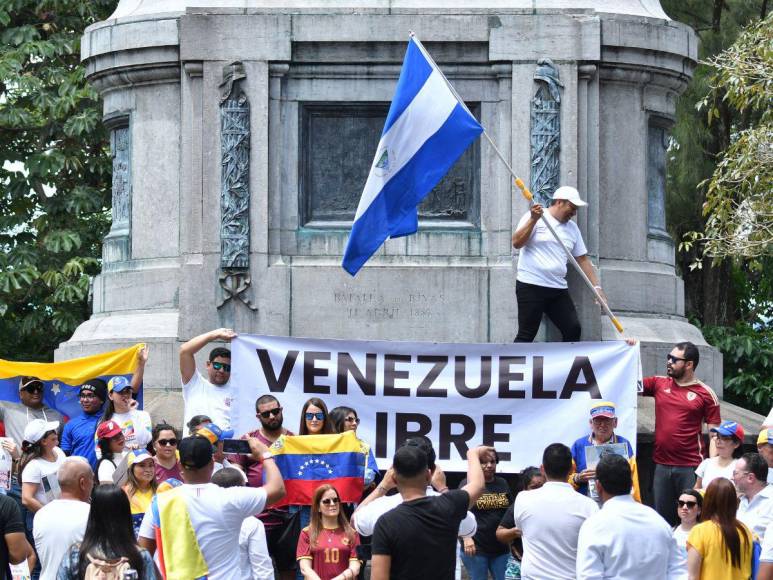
(516, 397)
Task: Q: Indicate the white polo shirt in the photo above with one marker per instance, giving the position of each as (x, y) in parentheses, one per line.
(542, 261)
(757, 514)
(627, 541)
(550, 518)
(365, 518)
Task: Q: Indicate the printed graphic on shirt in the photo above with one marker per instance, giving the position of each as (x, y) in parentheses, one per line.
(492, 501)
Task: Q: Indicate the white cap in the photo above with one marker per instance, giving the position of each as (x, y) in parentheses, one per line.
(36, 428)
(570, 194)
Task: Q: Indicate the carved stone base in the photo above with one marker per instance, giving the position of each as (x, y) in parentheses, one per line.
(116, 247)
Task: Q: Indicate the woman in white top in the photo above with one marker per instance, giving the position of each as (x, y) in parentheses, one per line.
(39, 463)
(122, 408)
(729, 441)
(688, 508)
(110, 443)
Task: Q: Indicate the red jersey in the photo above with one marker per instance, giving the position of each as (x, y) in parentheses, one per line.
(680, 411)
(331, 555)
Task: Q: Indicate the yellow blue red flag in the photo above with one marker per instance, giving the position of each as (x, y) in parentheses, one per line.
(62, 380)
(308, 461)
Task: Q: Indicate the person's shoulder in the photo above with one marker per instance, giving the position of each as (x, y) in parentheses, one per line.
(707, 392)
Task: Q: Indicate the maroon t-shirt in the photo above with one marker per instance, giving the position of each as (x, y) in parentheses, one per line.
(254, 471)
(680, 411)
(162, 473)
(331, 554)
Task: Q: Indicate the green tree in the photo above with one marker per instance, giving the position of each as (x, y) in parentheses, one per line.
(55, 174)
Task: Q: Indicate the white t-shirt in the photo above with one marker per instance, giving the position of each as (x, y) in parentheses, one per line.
(767, 546)
(107, 468)
(39, 468)
(136, 426)
(203, 398)
(680, 537)
(57, 526)
(542, 261)
(366, 517)
(253, 551)
(217, 515)
(709, 470)
(550, 518)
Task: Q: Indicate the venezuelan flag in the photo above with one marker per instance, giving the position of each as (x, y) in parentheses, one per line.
(62, 380)
(308, 461)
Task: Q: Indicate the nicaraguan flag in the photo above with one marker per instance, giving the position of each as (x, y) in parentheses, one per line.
(426, 131)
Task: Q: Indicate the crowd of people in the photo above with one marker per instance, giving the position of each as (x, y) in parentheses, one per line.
(109, 491)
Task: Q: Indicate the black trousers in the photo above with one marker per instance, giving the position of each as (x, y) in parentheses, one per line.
(534, 301)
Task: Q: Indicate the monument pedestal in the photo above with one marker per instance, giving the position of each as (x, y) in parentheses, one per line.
(310, 96)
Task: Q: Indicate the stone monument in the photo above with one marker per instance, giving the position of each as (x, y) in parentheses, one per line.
(242, 134)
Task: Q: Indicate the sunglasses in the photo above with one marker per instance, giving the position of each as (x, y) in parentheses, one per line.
(33, 389)
(218, 366)
(674, 359)
(319, 416)
(330, 501)
(271, 413)
(355, 420)
(687, 504)
(167, 442)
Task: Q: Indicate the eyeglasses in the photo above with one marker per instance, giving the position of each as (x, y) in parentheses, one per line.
(355, 420)
(218, 366)
(740, 472)
(167, 442)
(33, 389)
(687, 504)
(87, 396)
(330, 501)
(674, 359)
(271, 413)
(319, 416)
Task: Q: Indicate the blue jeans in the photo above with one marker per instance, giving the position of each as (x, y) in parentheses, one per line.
(667, 485)
(479, 565)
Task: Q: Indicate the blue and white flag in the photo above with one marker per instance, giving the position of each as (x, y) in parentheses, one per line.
(426, 131)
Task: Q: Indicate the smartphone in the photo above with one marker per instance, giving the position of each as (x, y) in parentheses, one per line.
(239, 446)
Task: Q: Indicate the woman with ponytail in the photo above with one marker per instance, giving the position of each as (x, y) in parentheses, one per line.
(719, 548)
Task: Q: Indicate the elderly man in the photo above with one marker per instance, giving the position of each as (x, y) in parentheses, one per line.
(541, 286)
(603, 422)
(765, 447)
(62, 522)
(750, 477)
(625, 540)
(682, 405)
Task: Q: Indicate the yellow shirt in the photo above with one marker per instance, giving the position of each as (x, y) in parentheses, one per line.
(707, 539)
(140, 501)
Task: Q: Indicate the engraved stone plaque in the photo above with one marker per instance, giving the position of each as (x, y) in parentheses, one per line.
(657, 143)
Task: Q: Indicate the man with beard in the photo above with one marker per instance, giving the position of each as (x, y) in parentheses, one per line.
(682, 405)
(269, 413)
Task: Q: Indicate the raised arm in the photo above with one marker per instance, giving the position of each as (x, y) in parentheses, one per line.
(476, 483)
(139, 372)
(522, 234)
(194, 345)
(274, 484)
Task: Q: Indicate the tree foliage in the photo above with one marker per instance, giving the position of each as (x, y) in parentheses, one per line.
(54, 174)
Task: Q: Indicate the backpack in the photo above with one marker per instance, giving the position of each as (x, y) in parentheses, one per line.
(105, 569)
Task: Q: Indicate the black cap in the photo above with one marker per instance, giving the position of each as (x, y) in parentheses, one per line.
(96, 386)
(195, 452)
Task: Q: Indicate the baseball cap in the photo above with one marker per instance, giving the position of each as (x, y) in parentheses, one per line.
(137, 456)
(118, 384)
(603, 409)
(570, 194)
(213, 433)
(108, 429)
(195, 452)
(36, 428)
(97, 387)
(729, 429)
(25, 382)
(765, 436)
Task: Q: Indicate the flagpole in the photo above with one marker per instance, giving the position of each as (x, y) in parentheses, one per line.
(526, 193)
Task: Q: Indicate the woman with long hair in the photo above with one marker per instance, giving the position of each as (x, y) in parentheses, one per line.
(688, 508)
(122, 409)
(140, 484)
(108, 541)
(41, 458)
(720, 547)
(110, 448)
(345, 419)
(728, 438)
(315, 420)
(327, 548)
(165, 440)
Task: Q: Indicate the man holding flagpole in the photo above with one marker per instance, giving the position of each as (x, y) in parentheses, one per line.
(541, 286)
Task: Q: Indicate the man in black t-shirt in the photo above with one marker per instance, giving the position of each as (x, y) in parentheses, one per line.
(417, 539)
(14, 548)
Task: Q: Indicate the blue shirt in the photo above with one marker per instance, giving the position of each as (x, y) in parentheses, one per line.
(78, 437)
(578, 454)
